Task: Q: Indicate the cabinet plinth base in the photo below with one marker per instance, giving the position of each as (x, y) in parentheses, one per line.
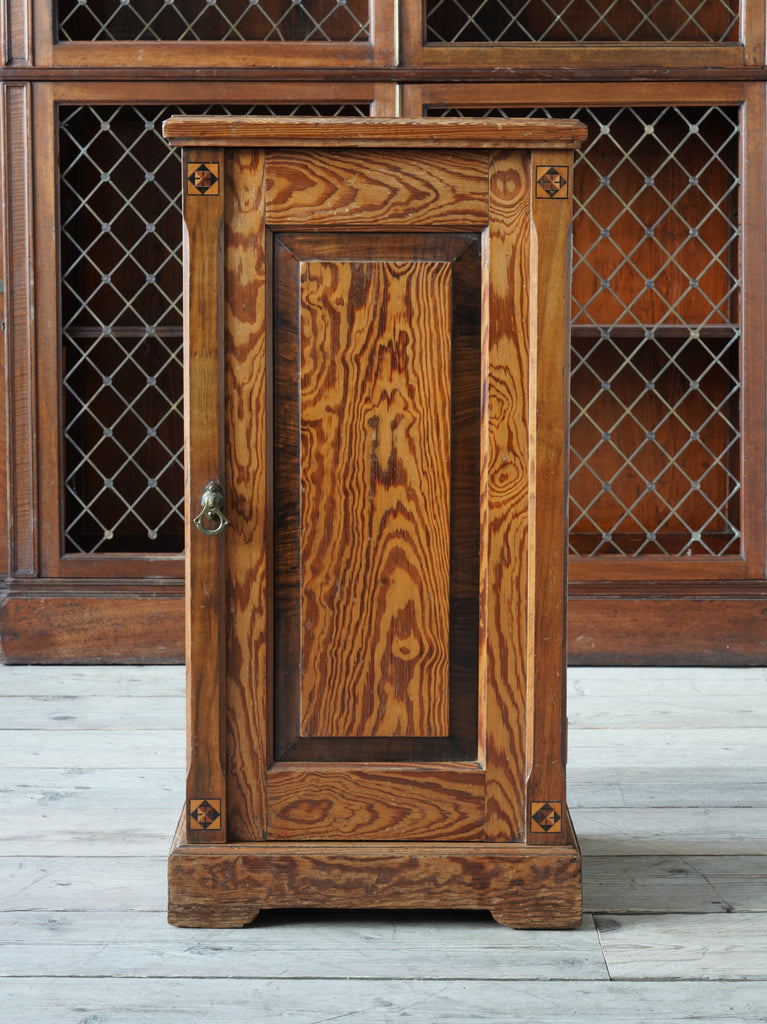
(225, 886)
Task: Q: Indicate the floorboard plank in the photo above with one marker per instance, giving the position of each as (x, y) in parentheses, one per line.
(663, 681)
(674, 885)
(686, 947)
(88, 712)
(91, 681)
(72, 748)
(294, 945)
(304, 1001)
(671, 831)
(91, 883)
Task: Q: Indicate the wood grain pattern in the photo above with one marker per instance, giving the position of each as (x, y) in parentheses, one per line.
(401, 189)
(203, 447)
(522, 887)
(401, 133)
(247, 370)
(375, 516)
(291, 250)
(112, 626)
(549, 372)
(19, 322)
(506, 477)
(417, 803)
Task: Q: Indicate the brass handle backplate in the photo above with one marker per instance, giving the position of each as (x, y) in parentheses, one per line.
(211, 519)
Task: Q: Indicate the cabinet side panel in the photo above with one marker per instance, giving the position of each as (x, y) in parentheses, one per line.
(247, 479)
(506, 497)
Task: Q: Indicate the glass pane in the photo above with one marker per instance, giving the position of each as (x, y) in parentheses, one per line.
(582, 21)
(295, 21)
(121, 297)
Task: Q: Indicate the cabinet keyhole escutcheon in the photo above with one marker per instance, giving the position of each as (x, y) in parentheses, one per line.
(211, 519)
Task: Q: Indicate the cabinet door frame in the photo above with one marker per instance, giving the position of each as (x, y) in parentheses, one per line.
(751, 564)
(134, 57)
(579, 60)
(40, 503)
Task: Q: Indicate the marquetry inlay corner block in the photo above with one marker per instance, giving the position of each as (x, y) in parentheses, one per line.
(205, 815)
(203, 179)
(546, 817)
(552, 182)
(375, 332)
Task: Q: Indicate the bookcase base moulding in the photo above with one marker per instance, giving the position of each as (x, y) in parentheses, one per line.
(376, 394)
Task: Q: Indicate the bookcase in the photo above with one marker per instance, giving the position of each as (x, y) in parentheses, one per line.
(667, 453)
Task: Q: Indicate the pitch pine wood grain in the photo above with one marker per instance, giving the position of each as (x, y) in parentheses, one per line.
(375, 447)
(247, 364)
(428, 802)
(546, 716)
(292, 250)
(423, 190)
(504, 581)
(519, 887)
(203, 448)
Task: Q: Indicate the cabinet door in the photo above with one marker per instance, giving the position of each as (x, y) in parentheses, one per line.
(373, 577)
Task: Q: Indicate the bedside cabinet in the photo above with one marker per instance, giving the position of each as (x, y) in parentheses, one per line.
(376, 338)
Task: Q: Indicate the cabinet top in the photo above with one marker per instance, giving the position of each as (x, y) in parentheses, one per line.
(388, 132)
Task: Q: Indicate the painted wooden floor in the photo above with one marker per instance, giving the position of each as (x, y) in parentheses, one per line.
(668, 789)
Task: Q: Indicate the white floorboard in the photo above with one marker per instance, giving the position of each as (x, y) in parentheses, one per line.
(379, 1001)
(668, 789)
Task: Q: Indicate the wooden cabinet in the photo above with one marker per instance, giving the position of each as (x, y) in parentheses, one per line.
(376, 381)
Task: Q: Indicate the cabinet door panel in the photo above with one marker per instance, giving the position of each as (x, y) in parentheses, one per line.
(376, 537)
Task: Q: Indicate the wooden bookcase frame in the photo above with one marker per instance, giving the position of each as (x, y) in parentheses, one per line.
(98, 607)
(379, 51)
(58, 605)
(702, 609)
(582, 58)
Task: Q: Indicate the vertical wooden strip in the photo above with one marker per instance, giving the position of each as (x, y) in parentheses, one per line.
(506, 310)
(247, 389)
(17, 32)
(412, 32)
(753, 307)
(549, 391)
(412, 101)
(754, 31)
(49, 453)
(385, 100)
(383, 33)
(5, 382)
(204, 437)
(19, 321)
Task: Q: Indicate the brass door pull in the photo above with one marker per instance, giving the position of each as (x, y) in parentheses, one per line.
(211, 519)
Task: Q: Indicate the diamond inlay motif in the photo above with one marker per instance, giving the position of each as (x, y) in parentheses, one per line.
(552, 183)
(205, 815)
(202, 179)
(546, 817)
